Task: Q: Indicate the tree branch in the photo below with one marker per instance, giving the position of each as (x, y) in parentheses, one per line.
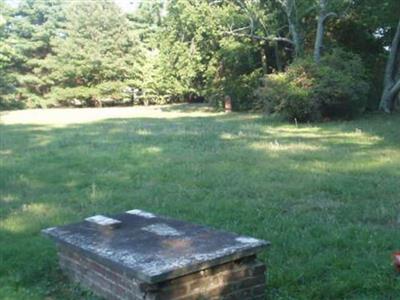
(331, 14)
(240, 29)
(395, 89)
(216, 2)
(257, 37)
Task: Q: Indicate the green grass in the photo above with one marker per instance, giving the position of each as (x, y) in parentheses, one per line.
(327, 196)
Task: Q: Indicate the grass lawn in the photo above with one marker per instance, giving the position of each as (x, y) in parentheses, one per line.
(327, 196)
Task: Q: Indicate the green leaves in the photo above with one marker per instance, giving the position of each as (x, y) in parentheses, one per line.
(172, 49)
(95, 44)
(334, 89)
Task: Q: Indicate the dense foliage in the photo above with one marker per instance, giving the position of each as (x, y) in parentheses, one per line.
(91, 53)
(335, 88)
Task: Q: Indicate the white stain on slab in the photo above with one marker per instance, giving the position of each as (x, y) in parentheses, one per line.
(141, 213)
(247, 240)
(103, 220)
(162, 229)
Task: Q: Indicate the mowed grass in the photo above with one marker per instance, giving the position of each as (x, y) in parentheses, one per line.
(327, 196)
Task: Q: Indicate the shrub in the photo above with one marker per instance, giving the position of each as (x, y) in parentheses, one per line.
(69, 96)
(334, 89)
(11, 104)
(240, 88)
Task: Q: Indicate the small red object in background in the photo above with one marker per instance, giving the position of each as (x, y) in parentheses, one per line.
(396, 257)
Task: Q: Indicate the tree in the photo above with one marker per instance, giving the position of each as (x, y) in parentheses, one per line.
(326, 9)
(170, 50)
(7, 56)
(179, 52)
(391, 82)
(94, 52)
(322, 17)
(291, 11)
(94, 46)
(257, 21)
(30, 28)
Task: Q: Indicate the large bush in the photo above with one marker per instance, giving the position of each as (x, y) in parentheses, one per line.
(336, 88)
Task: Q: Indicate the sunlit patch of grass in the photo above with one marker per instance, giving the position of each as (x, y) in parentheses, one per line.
(36, 213)
(60, 118)
(143, 132)
(7, 198)
(5, 152)
(326, 195)
(289, 147)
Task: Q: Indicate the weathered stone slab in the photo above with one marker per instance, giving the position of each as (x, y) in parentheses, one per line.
(154, 248)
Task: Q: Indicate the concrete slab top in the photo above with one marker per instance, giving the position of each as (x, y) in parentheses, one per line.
(153, 248)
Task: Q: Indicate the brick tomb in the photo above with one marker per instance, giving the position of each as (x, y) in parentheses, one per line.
(140, 256)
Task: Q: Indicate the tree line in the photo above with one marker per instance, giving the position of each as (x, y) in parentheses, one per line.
(308, 59)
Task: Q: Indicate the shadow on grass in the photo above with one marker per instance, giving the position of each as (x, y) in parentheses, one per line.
(305, 188)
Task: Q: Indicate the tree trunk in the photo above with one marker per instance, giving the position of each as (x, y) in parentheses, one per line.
(320, 31)
(278, 61)
(389, 97)
(391, 82)
(264, 61)
(294, 31)
(289, 7)
(296, 39)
